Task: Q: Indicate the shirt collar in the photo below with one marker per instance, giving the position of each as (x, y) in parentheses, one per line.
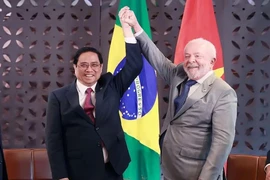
(82, 88)
(200, 81)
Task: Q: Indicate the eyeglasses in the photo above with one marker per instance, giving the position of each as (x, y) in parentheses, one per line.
(85, 66)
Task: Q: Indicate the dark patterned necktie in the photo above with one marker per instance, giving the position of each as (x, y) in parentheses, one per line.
(180, 100)
(88, 106)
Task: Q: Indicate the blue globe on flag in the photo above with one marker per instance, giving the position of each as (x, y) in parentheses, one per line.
(140, 97)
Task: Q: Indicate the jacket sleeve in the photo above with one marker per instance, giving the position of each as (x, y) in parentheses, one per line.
(131, 69)
(223, 132)
(54, 138)
(164, 67)
(268, 158)
(3, 170)
(267, 163)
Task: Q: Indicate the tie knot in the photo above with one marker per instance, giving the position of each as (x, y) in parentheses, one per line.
(89, 90)
(190, 82)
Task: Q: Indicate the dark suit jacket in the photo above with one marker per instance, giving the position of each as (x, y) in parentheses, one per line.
(74, 142)
(268, 158)
(3, 170)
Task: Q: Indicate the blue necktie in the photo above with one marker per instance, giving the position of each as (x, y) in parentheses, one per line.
(180, 100)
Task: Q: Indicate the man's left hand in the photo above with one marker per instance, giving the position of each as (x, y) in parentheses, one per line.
(123, 16)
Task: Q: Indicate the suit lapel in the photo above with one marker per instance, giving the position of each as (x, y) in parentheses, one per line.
(175, 92)
(99, 100)
(200, 92)
(73, 99)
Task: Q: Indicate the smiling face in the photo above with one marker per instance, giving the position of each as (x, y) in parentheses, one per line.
(199, 58)
(88, 68)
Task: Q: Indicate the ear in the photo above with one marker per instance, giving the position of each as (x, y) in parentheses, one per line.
(75, 68)
(213, 61)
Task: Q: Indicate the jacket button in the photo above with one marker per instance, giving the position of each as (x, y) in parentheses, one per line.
(98, 144)
(97, 128)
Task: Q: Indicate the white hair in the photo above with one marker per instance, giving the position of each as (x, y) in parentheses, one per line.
(205, 43)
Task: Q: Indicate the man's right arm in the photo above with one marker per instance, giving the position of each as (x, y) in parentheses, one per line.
(54, 139)
(156, 58)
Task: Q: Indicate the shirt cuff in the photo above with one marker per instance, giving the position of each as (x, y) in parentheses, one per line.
(138, 33)
(266, 166)
(130, 40)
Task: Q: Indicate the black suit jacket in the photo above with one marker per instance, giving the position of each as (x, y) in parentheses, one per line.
(3, 170)
(74, 142)
(268, 158)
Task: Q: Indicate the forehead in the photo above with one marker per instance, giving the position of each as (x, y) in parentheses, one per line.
(88, 57)
(196, 48)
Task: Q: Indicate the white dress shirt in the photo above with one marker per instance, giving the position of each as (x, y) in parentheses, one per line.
(199, 83)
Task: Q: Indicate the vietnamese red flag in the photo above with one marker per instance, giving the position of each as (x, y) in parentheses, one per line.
(199, 21)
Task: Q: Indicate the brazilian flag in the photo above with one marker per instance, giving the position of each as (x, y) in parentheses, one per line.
(139, 105)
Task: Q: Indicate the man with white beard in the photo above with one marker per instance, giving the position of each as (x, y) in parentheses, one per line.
(198, 131)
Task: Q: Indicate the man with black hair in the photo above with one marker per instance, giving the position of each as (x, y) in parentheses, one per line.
(84, 136)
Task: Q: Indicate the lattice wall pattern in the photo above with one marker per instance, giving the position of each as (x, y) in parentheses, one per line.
(248, 53)
(38, 41)
(39, 38)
